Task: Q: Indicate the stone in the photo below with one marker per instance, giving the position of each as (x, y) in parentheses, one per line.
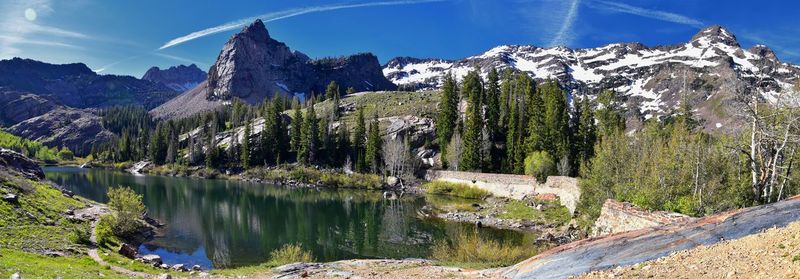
(163, 266)
(392, 181)
(164, 276)
(179, 267)
(196, 267)
(151, 258)
(15, 276)
(17, 162)
(10, 198)
(127, 250)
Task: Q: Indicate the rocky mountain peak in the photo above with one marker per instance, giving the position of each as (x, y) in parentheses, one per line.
(179, 78)
(715, 34)
(252, 66)
(256, 31)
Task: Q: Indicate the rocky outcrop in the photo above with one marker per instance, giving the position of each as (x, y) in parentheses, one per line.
(13, 161)
(16, 106)
(179, 78)
(65, 127)
(711, 71)
(187, 104)
(618, 217)
(253, 66)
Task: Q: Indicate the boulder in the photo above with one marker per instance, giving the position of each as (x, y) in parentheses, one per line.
(179, 267)
(151, 258)
(17, 162)
(15, 276)
(128, 251)
(165, 276)
(10, 198)
(196, 268)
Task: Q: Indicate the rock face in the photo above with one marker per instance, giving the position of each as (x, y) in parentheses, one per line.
(711, 71)
(16, 106)
(14, 161)
(74, 128)
(253, 66)
(618, 217)
(178, 78)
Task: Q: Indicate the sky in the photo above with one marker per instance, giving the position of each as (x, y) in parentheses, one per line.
(129, 37)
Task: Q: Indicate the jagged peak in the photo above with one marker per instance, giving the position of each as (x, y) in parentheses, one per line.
(763, 51)
(256, 30)
(715, 34)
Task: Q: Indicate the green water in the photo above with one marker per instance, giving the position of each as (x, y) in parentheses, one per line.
(223, 223)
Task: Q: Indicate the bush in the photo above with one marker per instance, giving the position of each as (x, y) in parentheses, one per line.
(104, 231)
(356, 180)
(128, 207)
(455, 189)
(472, 250)
(66, 154)
(540, 164)
(81, 234)
(290, 253)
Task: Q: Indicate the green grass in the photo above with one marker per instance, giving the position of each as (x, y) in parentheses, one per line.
(290, 253)
(472, 251)
(311, 176)
(515, 209)
(455, 189)
(30, 265)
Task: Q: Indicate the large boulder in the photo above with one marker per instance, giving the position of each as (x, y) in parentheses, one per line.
(13, 161)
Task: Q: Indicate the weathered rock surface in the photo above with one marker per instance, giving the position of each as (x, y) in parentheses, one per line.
(74, 128)
(253, 66)
(178, 78)
(651, 243)
(618, 217)
(13, 161)
(16, 106)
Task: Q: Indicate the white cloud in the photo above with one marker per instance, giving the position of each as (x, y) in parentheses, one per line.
(654, 14)
(565, 35)
(282, 15)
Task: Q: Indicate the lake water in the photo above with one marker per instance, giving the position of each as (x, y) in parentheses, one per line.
(224, 223)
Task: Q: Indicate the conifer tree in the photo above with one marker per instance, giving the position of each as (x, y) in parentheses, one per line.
(279, 130)
(332, 91)
(359, 140)
(343, 144)
(374, 145)
(609, 115)
(473, 126)
(556, 120)
(506, 89)
(448, 113)
(309, 140)
(586, 134)
(211, 146)
(537, 130)
(492, 125)
(297, 123)
(245, 153)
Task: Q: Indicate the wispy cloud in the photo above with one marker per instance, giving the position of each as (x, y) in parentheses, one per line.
(282, 15)
(648, 13)
(565, 35)
(16, 29)
(181, 59)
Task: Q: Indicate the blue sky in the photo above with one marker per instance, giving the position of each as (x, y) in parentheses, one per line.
(128, 37)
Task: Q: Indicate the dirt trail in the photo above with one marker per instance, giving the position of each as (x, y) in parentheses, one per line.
(94, 212)
(772, 254)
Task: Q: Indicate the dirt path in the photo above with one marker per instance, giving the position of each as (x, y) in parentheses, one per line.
(772, 254)
(94, 212)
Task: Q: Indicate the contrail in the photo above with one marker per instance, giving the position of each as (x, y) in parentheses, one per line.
(654, 14)
(563, 36)
(281, 15)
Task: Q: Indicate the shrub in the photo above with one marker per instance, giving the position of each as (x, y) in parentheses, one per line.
(290, 253)
(104, 231)
(128, 207)
(356, 180)
(540, 164)
(472, 250)
(81, 234)
(65, 154)
(455, 189)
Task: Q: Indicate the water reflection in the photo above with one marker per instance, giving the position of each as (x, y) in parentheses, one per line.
(222, 223)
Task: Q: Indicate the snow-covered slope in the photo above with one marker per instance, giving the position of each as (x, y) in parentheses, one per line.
(711, 69)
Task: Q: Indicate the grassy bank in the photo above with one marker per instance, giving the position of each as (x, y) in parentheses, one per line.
(455, 189)
(470, 250)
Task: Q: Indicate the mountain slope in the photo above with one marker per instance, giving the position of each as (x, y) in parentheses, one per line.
(178, 78)
(712, 69)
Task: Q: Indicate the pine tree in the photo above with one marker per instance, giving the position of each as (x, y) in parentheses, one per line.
(297, 123)
(473, 126)
(279, 130)
(309, 140)
(586, 134)
(172, 146)
(448, 113)
(374, 145)
(359, 140)
(556, 120)
(325, 150)
(537, 130)
(245, 153)
(343, 144)
(492, 126)
(332, 91)
(211, 146)
(506, 89)
(609, 115)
